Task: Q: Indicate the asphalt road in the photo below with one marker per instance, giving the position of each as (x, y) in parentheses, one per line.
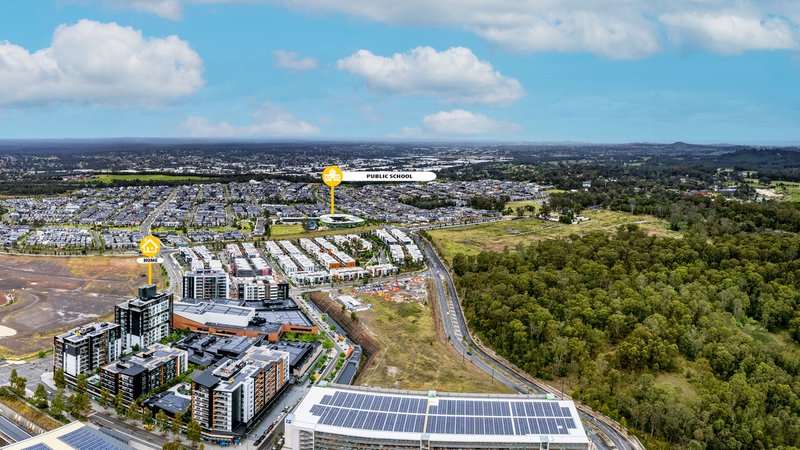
(31, 370)
(456, 327)
(144, 228)
(174, 271)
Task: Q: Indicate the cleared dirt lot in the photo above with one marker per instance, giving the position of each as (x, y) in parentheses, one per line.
(52, 294)
(414, 350)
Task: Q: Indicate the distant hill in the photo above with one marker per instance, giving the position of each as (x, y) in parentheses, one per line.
(752, 158)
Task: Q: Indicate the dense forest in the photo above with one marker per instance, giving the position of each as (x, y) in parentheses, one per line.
(617, 314)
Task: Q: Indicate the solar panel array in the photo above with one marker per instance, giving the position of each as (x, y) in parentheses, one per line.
(38, 446)
(86, 439)
(372, 412)
(450, 416)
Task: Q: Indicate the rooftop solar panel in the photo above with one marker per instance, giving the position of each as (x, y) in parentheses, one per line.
(533, 426)
(38, 446)
(87, 439)
(449, 416)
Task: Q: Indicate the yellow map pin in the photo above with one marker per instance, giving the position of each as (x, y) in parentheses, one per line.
(332, 176)
(150, 246)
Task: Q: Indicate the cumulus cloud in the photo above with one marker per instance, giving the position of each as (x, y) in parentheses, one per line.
(269, 121)
(627, 29)
(455, 75)
(105, 63)
(293, 61)
(459, 123)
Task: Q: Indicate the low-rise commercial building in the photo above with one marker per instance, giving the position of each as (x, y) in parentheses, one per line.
(208, 349)
(338, 221)
(229, 318)
(302, 355)
(73, 436)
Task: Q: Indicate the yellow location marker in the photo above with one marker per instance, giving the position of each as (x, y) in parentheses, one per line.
(332, 176)
(150, 246)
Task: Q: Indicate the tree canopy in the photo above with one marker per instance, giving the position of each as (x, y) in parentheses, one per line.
(622, 312)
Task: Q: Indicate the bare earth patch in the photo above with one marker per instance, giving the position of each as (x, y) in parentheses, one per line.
(54, 294)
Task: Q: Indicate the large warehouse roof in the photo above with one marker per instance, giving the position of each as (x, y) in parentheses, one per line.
(405, 415)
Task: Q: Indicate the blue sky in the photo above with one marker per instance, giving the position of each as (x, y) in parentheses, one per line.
(535, 70)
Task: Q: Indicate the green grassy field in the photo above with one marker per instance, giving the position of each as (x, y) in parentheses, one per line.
(109, 178)
(497, 235)
(788, 190)
(278, 231)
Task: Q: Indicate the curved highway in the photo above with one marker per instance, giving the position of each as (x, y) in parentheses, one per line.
(458, 333)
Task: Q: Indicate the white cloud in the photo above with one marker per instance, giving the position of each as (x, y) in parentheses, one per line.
(459, 123)
(455, 75)
(105, 63)
(730, 33)
(293, 61)
(612, 36)
(168, 9)
(616, 29)
(269, 121)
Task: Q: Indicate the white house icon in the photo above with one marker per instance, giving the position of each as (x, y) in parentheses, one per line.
(150, 246)
(331, 176)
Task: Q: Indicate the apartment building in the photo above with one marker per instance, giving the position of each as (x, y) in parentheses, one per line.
(145, 320)
(84, 349)
(206, 284)
(262, 290)
(144, 371)
(227, 399)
